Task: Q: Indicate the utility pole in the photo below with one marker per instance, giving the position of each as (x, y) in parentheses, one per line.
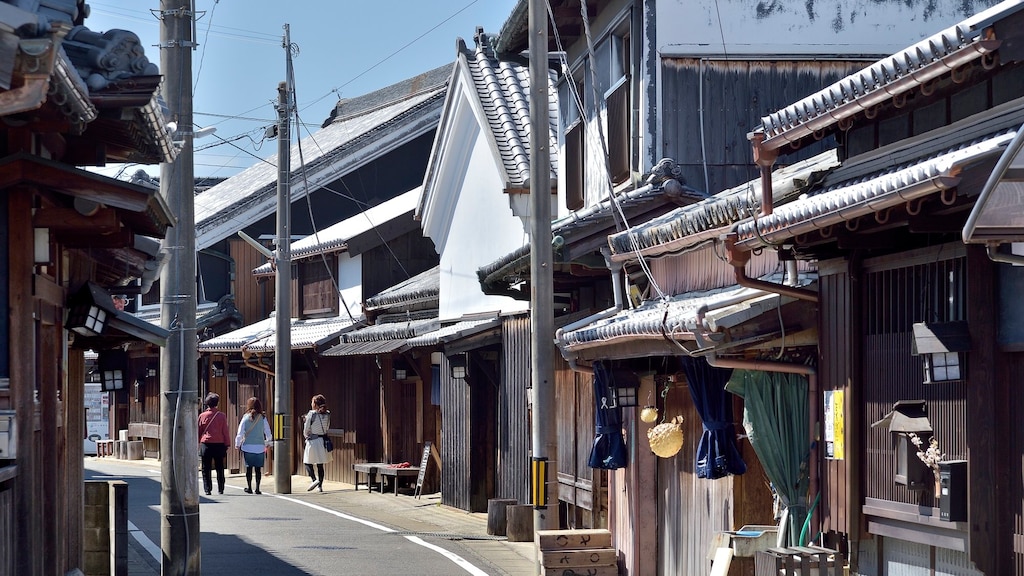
(283, 286)
(179, 386)
(544, 432)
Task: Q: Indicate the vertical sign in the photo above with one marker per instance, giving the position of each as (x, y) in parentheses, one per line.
(424, 460)
(835, 425)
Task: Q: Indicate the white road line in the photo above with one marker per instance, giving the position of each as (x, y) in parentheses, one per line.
(455, 558)
(141, 538)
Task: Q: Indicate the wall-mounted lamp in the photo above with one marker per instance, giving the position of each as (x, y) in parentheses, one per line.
(89, 310)
(458, 365)
(112, 365)
(909, 417)
(626, 384)
(941, 344)
(217, 369)
(435, 358)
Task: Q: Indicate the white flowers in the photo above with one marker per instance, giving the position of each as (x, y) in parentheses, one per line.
(930, 455)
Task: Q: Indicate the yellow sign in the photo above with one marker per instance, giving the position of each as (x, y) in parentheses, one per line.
(538, 482)
(835, 425)
(278, 425)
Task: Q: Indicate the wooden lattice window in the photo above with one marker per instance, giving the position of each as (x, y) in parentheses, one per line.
(317, 287)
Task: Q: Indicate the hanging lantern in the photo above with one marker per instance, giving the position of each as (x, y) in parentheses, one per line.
(667, 438)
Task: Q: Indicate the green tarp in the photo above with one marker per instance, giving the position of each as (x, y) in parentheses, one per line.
(775, 416)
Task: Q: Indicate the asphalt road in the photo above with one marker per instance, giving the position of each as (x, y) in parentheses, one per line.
(286, 535)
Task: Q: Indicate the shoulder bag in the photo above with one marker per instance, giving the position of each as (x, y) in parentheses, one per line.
(328, 443)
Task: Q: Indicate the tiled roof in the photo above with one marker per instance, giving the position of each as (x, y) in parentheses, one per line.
(382, 338)
(261, 336)
(344, 145)
(691, 225)
(848, 200)
(334, 237)
(887, 78)
(503, 89)
(675, 317)
(424, 286)
(454, 331)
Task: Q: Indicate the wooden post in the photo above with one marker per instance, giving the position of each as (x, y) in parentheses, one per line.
(519, 525)
(497, 515)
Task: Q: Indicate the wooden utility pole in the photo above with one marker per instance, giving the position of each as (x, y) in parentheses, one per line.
(283, 286)
(179, 386)
(545, 440)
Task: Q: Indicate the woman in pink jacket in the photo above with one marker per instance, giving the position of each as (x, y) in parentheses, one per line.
(214, 439)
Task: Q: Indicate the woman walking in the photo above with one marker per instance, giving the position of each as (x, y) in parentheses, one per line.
(252, 439)
(214, 438)
(318, 422)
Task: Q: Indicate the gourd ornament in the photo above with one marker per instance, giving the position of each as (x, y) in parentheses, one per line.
(667, 438)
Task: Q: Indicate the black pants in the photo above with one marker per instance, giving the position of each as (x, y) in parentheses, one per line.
(213, 455)
(319, 470)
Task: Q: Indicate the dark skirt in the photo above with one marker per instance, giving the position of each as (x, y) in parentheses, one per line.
(254, 459)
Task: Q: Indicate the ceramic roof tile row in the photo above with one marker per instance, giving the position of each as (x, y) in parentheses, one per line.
(673, 317)
(424, 286)
(454, 331)
(334, 237)
(261, 336)
(886, 78)
(725, 208)
(873, 193)
(503, 89)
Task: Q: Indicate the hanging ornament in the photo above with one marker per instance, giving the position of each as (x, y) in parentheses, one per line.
(649, 414)
(666, 438)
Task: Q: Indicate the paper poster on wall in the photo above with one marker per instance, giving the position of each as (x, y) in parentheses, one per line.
(835, 444)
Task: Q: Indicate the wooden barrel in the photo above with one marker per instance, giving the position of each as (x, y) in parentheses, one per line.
(520, 523)
(496, 515)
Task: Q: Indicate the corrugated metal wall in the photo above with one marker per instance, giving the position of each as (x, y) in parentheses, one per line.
(514, 422)
(714, 103)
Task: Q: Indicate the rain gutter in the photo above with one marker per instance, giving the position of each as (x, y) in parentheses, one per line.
(616, 270)
(738, 258)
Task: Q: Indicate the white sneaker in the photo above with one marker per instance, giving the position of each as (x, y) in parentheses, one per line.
(313, 485)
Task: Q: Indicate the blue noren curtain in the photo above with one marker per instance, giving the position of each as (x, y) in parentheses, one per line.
(717, 454)
(609, 451)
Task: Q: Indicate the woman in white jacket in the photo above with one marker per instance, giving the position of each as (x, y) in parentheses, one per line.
(314, 429)
(252, 439)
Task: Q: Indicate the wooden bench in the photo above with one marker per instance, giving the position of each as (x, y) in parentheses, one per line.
(396, 473)
(381, 470)
(149, 433)
(370, 469)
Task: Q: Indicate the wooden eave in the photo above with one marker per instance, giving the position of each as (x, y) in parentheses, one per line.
(142, 209)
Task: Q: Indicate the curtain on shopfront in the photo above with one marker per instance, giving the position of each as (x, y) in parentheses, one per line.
(717, 454)
(609, 451)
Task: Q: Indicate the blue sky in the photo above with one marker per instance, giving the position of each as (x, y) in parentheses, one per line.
(345, 48)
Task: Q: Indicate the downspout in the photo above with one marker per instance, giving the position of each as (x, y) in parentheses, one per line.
(994, 255)
(739, 258)
(765, 159)
(616, 270)
(812, 389)
(259, 366)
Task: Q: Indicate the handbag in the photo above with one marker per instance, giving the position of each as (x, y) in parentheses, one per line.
(328, 443)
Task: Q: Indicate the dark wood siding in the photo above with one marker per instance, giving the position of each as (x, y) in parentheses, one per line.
(318, 296)
(254, 299)
(514, 422)
(580, 487)
(927, 285)
(351, 385)
(710, 133)
(836, 334)
(455, 435)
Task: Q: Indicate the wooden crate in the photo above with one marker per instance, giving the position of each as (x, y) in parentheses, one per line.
(577, 553)
(573, 539)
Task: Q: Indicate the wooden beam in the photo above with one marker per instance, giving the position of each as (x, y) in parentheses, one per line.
(104, 221)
